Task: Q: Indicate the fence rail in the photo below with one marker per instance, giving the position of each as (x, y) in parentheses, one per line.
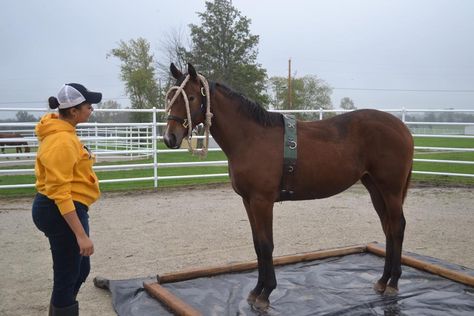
(112, 141)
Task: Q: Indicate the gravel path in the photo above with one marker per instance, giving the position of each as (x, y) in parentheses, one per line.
(144, 233)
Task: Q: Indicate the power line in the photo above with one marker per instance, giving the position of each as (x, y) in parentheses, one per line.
(406, 90)
(336, 88)
(46, 101)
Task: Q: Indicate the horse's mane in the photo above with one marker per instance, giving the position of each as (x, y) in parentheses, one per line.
(252, 109)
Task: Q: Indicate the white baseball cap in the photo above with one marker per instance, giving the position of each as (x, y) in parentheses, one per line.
(72, 94)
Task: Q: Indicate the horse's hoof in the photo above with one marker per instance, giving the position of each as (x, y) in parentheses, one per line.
(380, 287)
(390, 291)
(252, 298)
(261, 303)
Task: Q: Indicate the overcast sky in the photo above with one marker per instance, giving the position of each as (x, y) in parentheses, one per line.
(380, 53)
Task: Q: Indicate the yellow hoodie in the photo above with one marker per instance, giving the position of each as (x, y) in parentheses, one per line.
(63, 165)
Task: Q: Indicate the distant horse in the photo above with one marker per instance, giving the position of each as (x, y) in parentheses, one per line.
(367, 145)
(20, 145)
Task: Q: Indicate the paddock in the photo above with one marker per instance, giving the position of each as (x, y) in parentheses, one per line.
(141, 234)
(114, 142)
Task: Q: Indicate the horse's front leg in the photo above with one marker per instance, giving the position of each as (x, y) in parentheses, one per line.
(260, 214)
(259, 286)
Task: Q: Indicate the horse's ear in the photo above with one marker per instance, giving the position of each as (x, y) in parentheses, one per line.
(191, 71)
(175, 72)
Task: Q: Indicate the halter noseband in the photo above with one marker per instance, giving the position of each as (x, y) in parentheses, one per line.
(188, 122)
(184, 122)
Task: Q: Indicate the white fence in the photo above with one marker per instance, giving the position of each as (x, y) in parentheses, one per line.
(112, 142)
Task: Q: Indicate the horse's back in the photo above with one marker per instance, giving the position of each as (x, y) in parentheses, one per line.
(360, 128)
(335, 153)
(380, 132)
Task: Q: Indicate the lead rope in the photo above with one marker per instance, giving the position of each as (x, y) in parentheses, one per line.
(202, 153)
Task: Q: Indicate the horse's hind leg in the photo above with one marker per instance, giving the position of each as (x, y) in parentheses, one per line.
(397, 225)
(260, 214)
(389, 207)
(379, 205)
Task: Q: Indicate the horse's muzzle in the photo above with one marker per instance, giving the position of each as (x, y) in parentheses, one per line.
(171, 141)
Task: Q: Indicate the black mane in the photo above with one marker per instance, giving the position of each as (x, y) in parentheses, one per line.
(252, 109)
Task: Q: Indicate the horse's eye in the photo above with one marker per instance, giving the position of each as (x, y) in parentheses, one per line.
(191, 98)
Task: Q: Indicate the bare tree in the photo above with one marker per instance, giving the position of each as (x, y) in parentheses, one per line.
(173, 47)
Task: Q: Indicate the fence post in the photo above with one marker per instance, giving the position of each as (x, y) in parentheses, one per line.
(130, 142)
(320, 114)
(96, 135)
(403, 114)
(153, 143)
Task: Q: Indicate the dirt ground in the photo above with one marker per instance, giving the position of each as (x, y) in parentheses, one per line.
(148, 233)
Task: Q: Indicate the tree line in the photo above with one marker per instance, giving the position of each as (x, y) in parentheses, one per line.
(223, 49)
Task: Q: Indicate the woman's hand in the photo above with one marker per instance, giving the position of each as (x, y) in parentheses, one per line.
(86, 247)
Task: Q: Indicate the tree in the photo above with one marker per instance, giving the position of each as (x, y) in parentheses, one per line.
(347, 104)
(138, 73)
(224, 50)
(23, 116)
(173, 50)
(308, 93)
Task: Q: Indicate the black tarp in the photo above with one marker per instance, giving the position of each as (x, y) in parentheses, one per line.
(333, 286)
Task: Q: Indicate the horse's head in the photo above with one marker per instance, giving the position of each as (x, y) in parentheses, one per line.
(186, 105)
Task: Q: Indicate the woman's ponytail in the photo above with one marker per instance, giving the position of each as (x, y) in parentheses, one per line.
(53, 103)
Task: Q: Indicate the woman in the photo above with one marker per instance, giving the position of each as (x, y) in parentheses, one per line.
(66, 186)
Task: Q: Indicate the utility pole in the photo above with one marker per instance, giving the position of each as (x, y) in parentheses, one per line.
(290, 105)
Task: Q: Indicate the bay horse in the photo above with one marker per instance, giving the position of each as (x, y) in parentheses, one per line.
(20, 145)
(332, 154)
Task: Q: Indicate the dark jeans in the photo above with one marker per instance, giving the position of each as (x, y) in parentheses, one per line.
(69, 267)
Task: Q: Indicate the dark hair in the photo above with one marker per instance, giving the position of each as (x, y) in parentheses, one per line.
(54, 104)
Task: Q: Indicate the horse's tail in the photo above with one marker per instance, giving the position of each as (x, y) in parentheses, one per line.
(407, 184)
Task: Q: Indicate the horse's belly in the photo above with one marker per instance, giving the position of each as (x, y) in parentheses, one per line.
(324, 185)
(320, 192)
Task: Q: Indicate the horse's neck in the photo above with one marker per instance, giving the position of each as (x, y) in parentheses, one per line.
(229, 128)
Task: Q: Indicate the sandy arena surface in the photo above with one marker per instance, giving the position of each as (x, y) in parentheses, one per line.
(147, 233)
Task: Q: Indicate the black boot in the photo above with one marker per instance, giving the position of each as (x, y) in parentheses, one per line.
(101, 283)
(72, 310)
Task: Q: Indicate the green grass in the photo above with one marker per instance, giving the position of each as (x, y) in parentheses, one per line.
(214, 156)
(444, 155)
(444, 142)
(135, 173)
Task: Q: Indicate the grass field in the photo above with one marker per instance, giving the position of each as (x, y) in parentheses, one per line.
(215, 156)
(134, 173)
(444, 155)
